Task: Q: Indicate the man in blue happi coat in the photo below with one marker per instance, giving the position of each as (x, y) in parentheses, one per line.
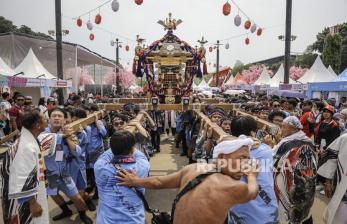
(57, 167)
(95, 148)
(120, 204)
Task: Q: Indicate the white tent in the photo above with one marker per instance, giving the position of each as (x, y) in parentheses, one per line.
(317, 73)
(210, 81)
(230, 81)
(264, 78)
(5, 69)
(330, 69)
(32, 67)
(203, 86)
(278, 78)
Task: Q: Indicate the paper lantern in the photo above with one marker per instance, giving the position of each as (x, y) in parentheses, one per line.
(253, 28)
(138, 2)
(115, 5)
(91, 36)
(210, 49)
(247, 24)
(237, 20)
(98, 19)
(247, 41)
(112, 43)
(127, 47)
(259, 31)
(89, 25)
(226, 8)
(227, 46)
(79, 22)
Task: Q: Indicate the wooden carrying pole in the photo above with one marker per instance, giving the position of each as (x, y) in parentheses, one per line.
(217, 131)
(262, 124)
(179, 107)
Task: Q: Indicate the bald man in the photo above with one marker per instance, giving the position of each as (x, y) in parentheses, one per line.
(210, 201)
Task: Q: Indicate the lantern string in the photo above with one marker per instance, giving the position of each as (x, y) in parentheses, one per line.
(246, 34)
(105, 30)
(91, 10)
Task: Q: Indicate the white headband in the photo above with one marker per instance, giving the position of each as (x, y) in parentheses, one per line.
(230, 146)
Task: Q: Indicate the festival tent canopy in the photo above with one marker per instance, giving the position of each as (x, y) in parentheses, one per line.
(238, 77)
(210, 81)
(342, 76)
(278, 77)
(32, 67)
(203, 85)
(317, 73)
(264, 78)
(5, 69)
(331, 70)
(230, 81)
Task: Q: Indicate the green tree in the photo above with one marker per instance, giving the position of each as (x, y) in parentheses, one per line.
(343, 33)
(318, 45)
(332, 51)
(6, 25)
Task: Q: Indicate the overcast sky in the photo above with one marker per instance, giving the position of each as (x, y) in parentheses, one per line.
(200, 18)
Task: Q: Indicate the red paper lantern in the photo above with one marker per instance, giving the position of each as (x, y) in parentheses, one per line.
(79, 22)
(98, 19)
(247, 41)
(210, 49)
(226, 8)
(127, 48)
(91, 36)
(247, 24)
(259, 31)
(138, 2)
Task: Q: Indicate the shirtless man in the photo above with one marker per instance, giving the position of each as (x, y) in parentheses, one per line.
(210, 201)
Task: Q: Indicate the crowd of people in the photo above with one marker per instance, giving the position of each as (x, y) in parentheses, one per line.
(301, 154)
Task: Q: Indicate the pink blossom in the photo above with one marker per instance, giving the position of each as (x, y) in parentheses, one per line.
(79, 75)
(296, 73)
(126, 78)
(252, 74)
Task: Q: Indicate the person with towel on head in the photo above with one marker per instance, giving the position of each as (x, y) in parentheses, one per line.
(217, 183)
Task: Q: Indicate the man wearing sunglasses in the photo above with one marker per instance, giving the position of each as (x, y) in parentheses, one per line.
(16, 112)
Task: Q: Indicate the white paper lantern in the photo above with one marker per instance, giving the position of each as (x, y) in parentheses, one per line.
(115, 5)
(227, 46)
(89, 25)
(112, 43)
(237, 20)
(253, 28)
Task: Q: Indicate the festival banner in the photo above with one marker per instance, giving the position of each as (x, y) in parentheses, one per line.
(17, 82)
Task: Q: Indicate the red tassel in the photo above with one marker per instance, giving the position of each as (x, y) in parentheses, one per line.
(134, 67)
(204, 68)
